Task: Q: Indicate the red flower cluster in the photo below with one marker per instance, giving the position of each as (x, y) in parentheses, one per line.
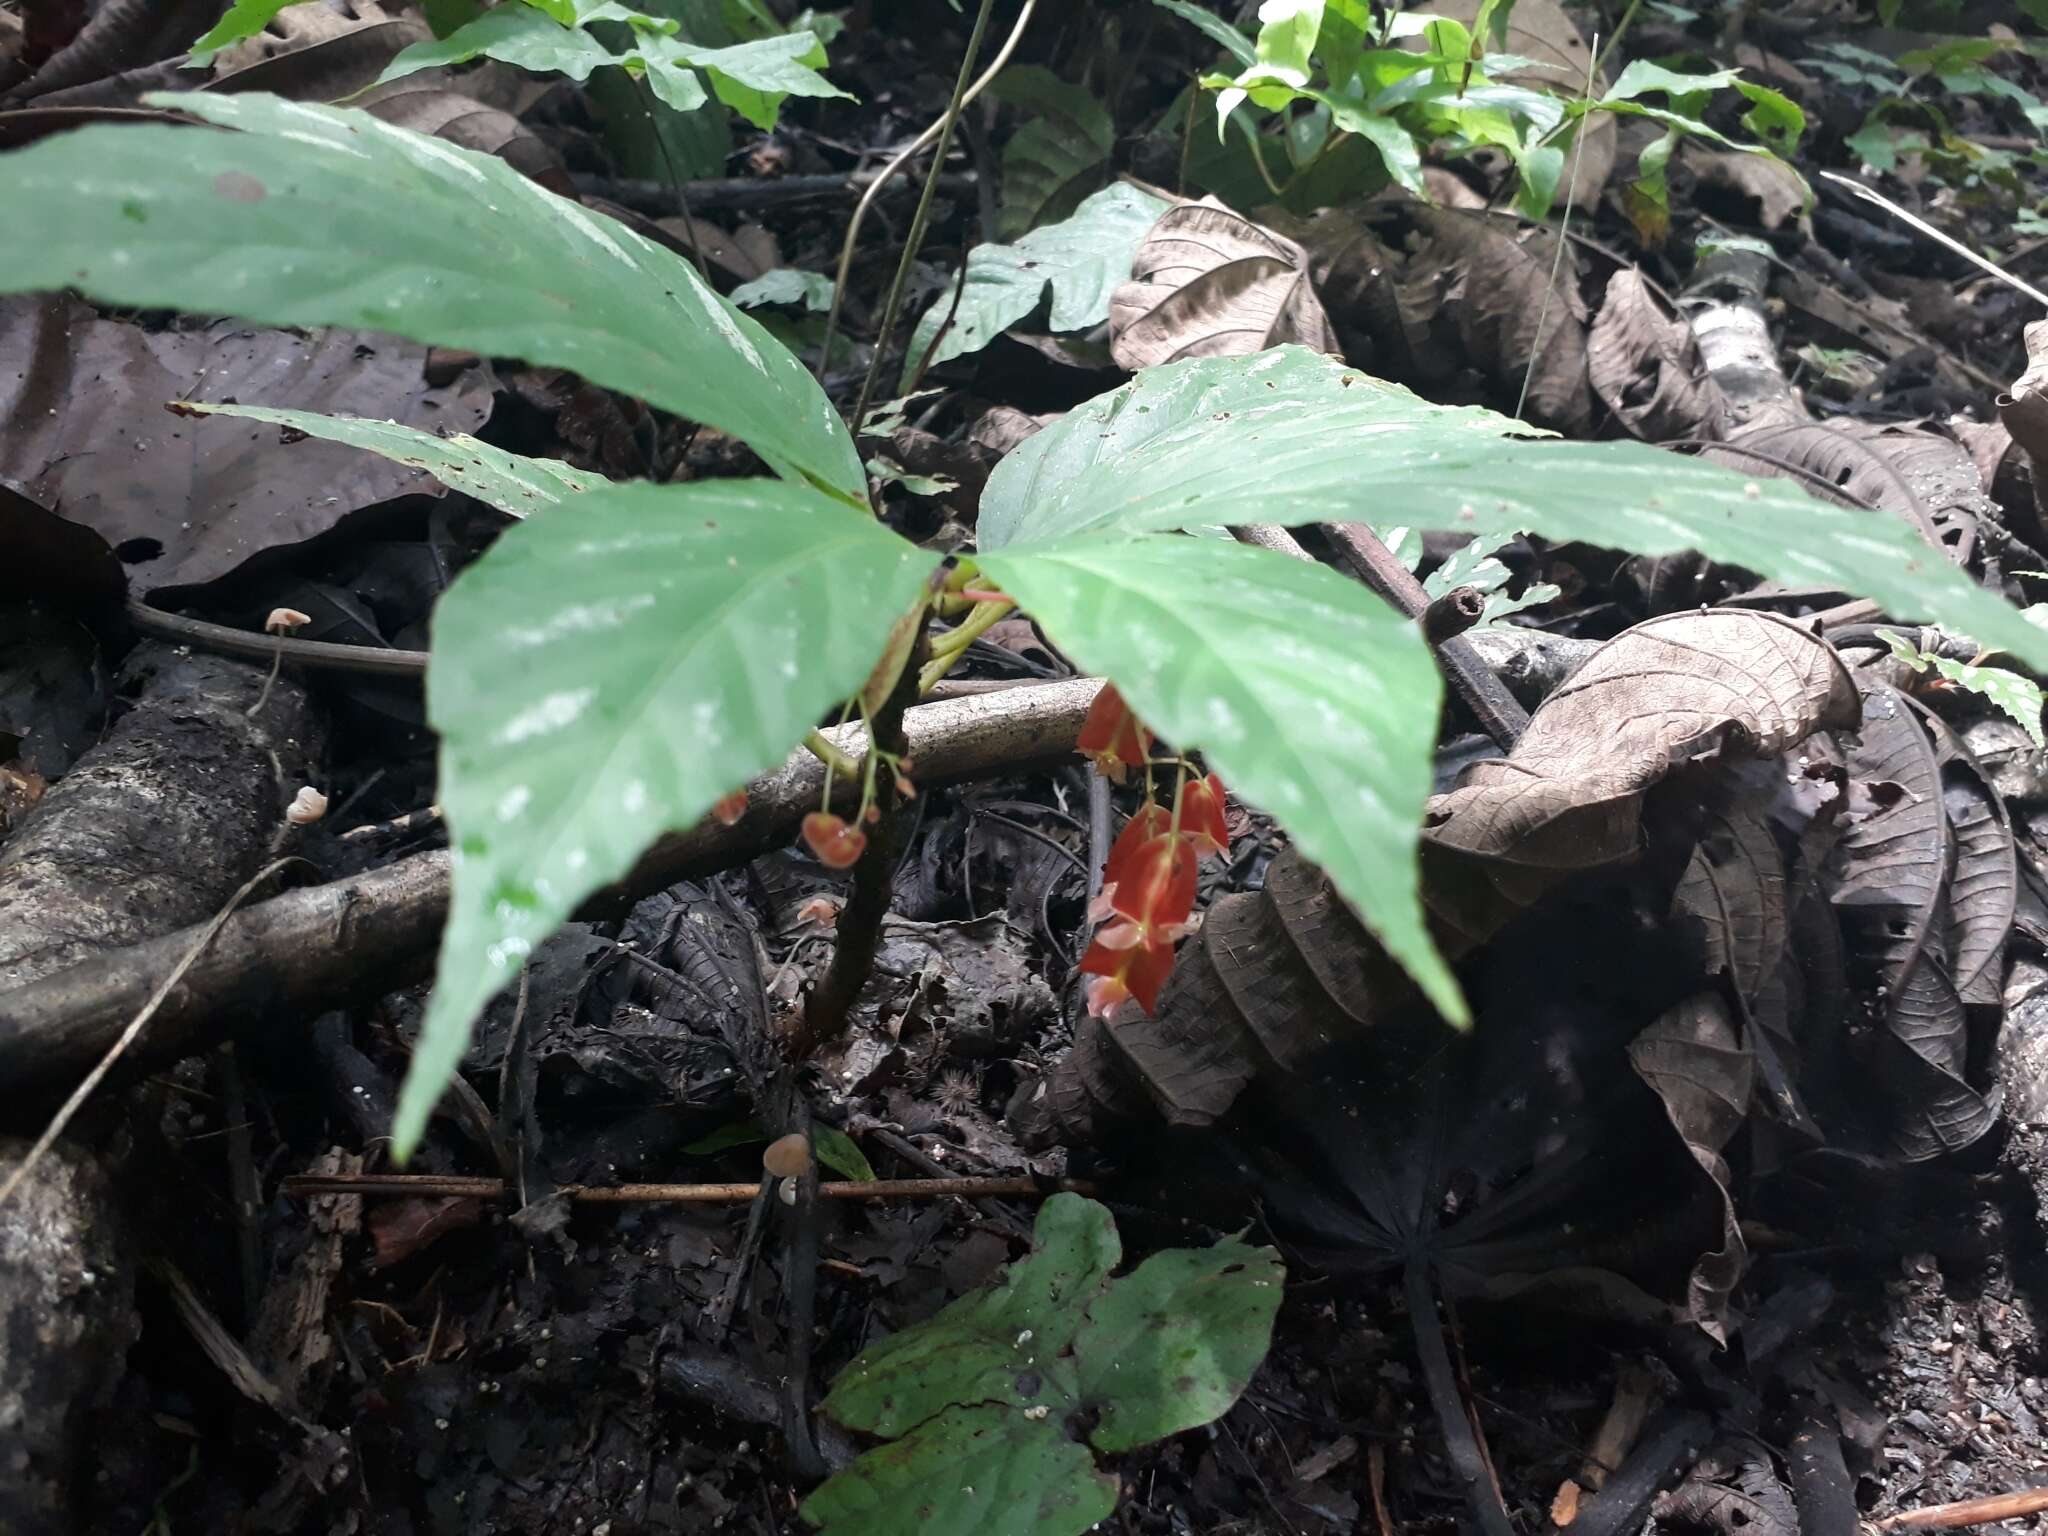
(1148, 889)
(837, 845)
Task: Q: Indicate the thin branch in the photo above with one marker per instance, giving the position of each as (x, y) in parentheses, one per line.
(434, 1186)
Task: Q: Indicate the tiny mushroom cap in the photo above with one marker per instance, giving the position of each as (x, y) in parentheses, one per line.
(307, 807)
(284, 620)
(787, 1157)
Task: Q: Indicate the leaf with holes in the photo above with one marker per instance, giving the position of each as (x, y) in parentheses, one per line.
(607, 673)
(292, 222)
(1313, 699)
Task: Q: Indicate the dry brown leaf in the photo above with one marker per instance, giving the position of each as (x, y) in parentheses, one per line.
(1775, 188)
(1208, 282)
(1003, 427)
(1645, 365)
(1669, 691)
(1494, 273)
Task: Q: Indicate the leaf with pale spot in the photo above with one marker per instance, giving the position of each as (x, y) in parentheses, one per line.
(606, 673)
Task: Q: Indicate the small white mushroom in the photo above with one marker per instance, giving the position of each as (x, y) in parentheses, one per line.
(283, 621)
(307, 807)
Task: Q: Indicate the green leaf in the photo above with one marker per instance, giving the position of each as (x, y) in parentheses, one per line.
(1174, 1343)
(1216, 29)
(1345, 446)
(2017, 697)
(1313, 699)
(510, 482)
(1774, 118)
(1287, 38)
(1002, 1343)
(1081, 260)
(513, 33)
(322, 216)
(1059, 155)
(1347, 31)
(786, 285)
(1396, 145)
(839, 1152)
(985, 1470)
(987, 1393)
(753, 78)
(244, 19)
(606, 673)
(1643, 76)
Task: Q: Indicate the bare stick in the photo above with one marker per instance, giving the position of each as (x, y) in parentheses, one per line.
(1997, 1506)
(433, 1186)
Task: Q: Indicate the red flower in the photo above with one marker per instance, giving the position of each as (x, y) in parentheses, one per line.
(1148, 906)
(837, 845)
(1112, 736)
(1152, 821)
(727, 812)
(1201, 815)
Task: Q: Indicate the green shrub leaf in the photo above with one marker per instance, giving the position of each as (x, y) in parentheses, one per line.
(608, 672)
(1312, 698)
(1174, 1343)
(1082, 259)
(244, 19)
(1290, 436)
(984, 1470)
(988, 1395)
(511, 482)
(1001, 1344)
(295, 221)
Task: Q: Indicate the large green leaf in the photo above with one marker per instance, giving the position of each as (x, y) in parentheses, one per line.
(322, 216)
(1291, 436)
(1081, 259)
(982, 1470)
(1313, 699)
(1175, 1342)
(510, 482)
(606, 673)
(988, 1394)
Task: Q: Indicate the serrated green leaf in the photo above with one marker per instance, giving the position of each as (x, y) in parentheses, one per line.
(244, 19)
(1174, 1343)
(294, 221)
(839, 1152)
(1313, 699)
(1291, 436)
(606, 673)
(1002, 1344)
(984, 1470)
(2018, 698)
(510, 482)
(1773, 117)
(1060, 154)
(1081, 260)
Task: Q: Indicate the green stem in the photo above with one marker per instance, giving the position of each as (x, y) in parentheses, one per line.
(820, 746)
(953, 645)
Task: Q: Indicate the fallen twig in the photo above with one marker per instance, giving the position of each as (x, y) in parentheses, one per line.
(1996, 1506)
(434, 1186)
(314, 949)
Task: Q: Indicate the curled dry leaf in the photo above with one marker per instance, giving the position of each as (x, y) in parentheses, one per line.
(1669, 691)
(1208, 282)
(1891, 885)
(1493, 274)
(1645, 366)
(1773, 186)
